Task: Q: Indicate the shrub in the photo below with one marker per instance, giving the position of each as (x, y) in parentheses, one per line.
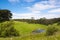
(58, 23)
(7, 29)
(51, 30)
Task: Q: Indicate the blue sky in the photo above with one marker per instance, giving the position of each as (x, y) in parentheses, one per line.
(25, 9)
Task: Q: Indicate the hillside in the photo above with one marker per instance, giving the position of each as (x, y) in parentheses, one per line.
(26, 29)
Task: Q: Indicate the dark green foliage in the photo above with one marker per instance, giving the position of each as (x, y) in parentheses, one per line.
(58, 23)
(5, 15)
(7, 29)
(40, 21)
(51, 30)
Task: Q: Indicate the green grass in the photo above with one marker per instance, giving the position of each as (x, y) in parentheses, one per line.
(25, 30)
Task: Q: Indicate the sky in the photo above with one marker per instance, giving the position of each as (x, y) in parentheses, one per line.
(25, 9)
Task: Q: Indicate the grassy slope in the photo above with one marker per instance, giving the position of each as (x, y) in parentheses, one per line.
(25, 28)
(41, 36)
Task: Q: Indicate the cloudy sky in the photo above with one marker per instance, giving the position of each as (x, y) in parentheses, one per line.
(23, 9)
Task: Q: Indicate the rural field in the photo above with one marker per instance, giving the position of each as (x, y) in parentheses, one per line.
(29, 19)
(25, 30)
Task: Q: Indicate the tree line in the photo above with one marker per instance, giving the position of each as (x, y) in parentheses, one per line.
(40, 21)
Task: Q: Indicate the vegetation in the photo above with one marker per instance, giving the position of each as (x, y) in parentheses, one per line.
(22, 29)
(7, 28)
(26, 29)
(51, 30)
(40, 21)
(5, 15)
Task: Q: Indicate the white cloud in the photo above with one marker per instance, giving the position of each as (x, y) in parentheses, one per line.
(45, 5)
(39, 6)
(29, 0)
(13, 1)
(26, 16)
(16, 1)
(36, 16)
(49, 15)
(54, 2)
(37, 10)
(54, 11)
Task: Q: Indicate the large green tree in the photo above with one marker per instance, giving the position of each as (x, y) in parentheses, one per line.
(5, 15)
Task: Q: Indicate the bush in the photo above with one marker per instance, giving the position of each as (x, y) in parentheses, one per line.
(7, 29)
(58, 23)
(51, 30)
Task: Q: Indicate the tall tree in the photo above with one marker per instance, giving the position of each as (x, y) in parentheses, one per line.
(5, 15)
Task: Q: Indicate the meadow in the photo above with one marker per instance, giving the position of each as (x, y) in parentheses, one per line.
(25, 31)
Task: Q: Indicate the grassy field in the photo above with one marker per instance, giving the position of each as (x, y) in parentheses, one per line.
(26, 29)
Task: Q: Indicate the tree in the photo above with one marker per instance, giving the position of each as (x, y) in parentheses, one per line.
(42, 20)
(32, 18)
(5, 15)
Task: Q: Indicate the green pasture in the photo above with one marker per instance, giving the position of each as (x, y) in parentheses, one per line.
(25, 30)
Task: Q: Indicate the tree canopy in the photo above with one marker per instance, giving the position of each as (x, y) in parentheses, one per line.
(5, 15)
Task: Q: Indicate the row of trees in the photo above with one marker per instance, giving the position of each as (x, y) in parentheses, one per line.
(40, 21)
(6, 15)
